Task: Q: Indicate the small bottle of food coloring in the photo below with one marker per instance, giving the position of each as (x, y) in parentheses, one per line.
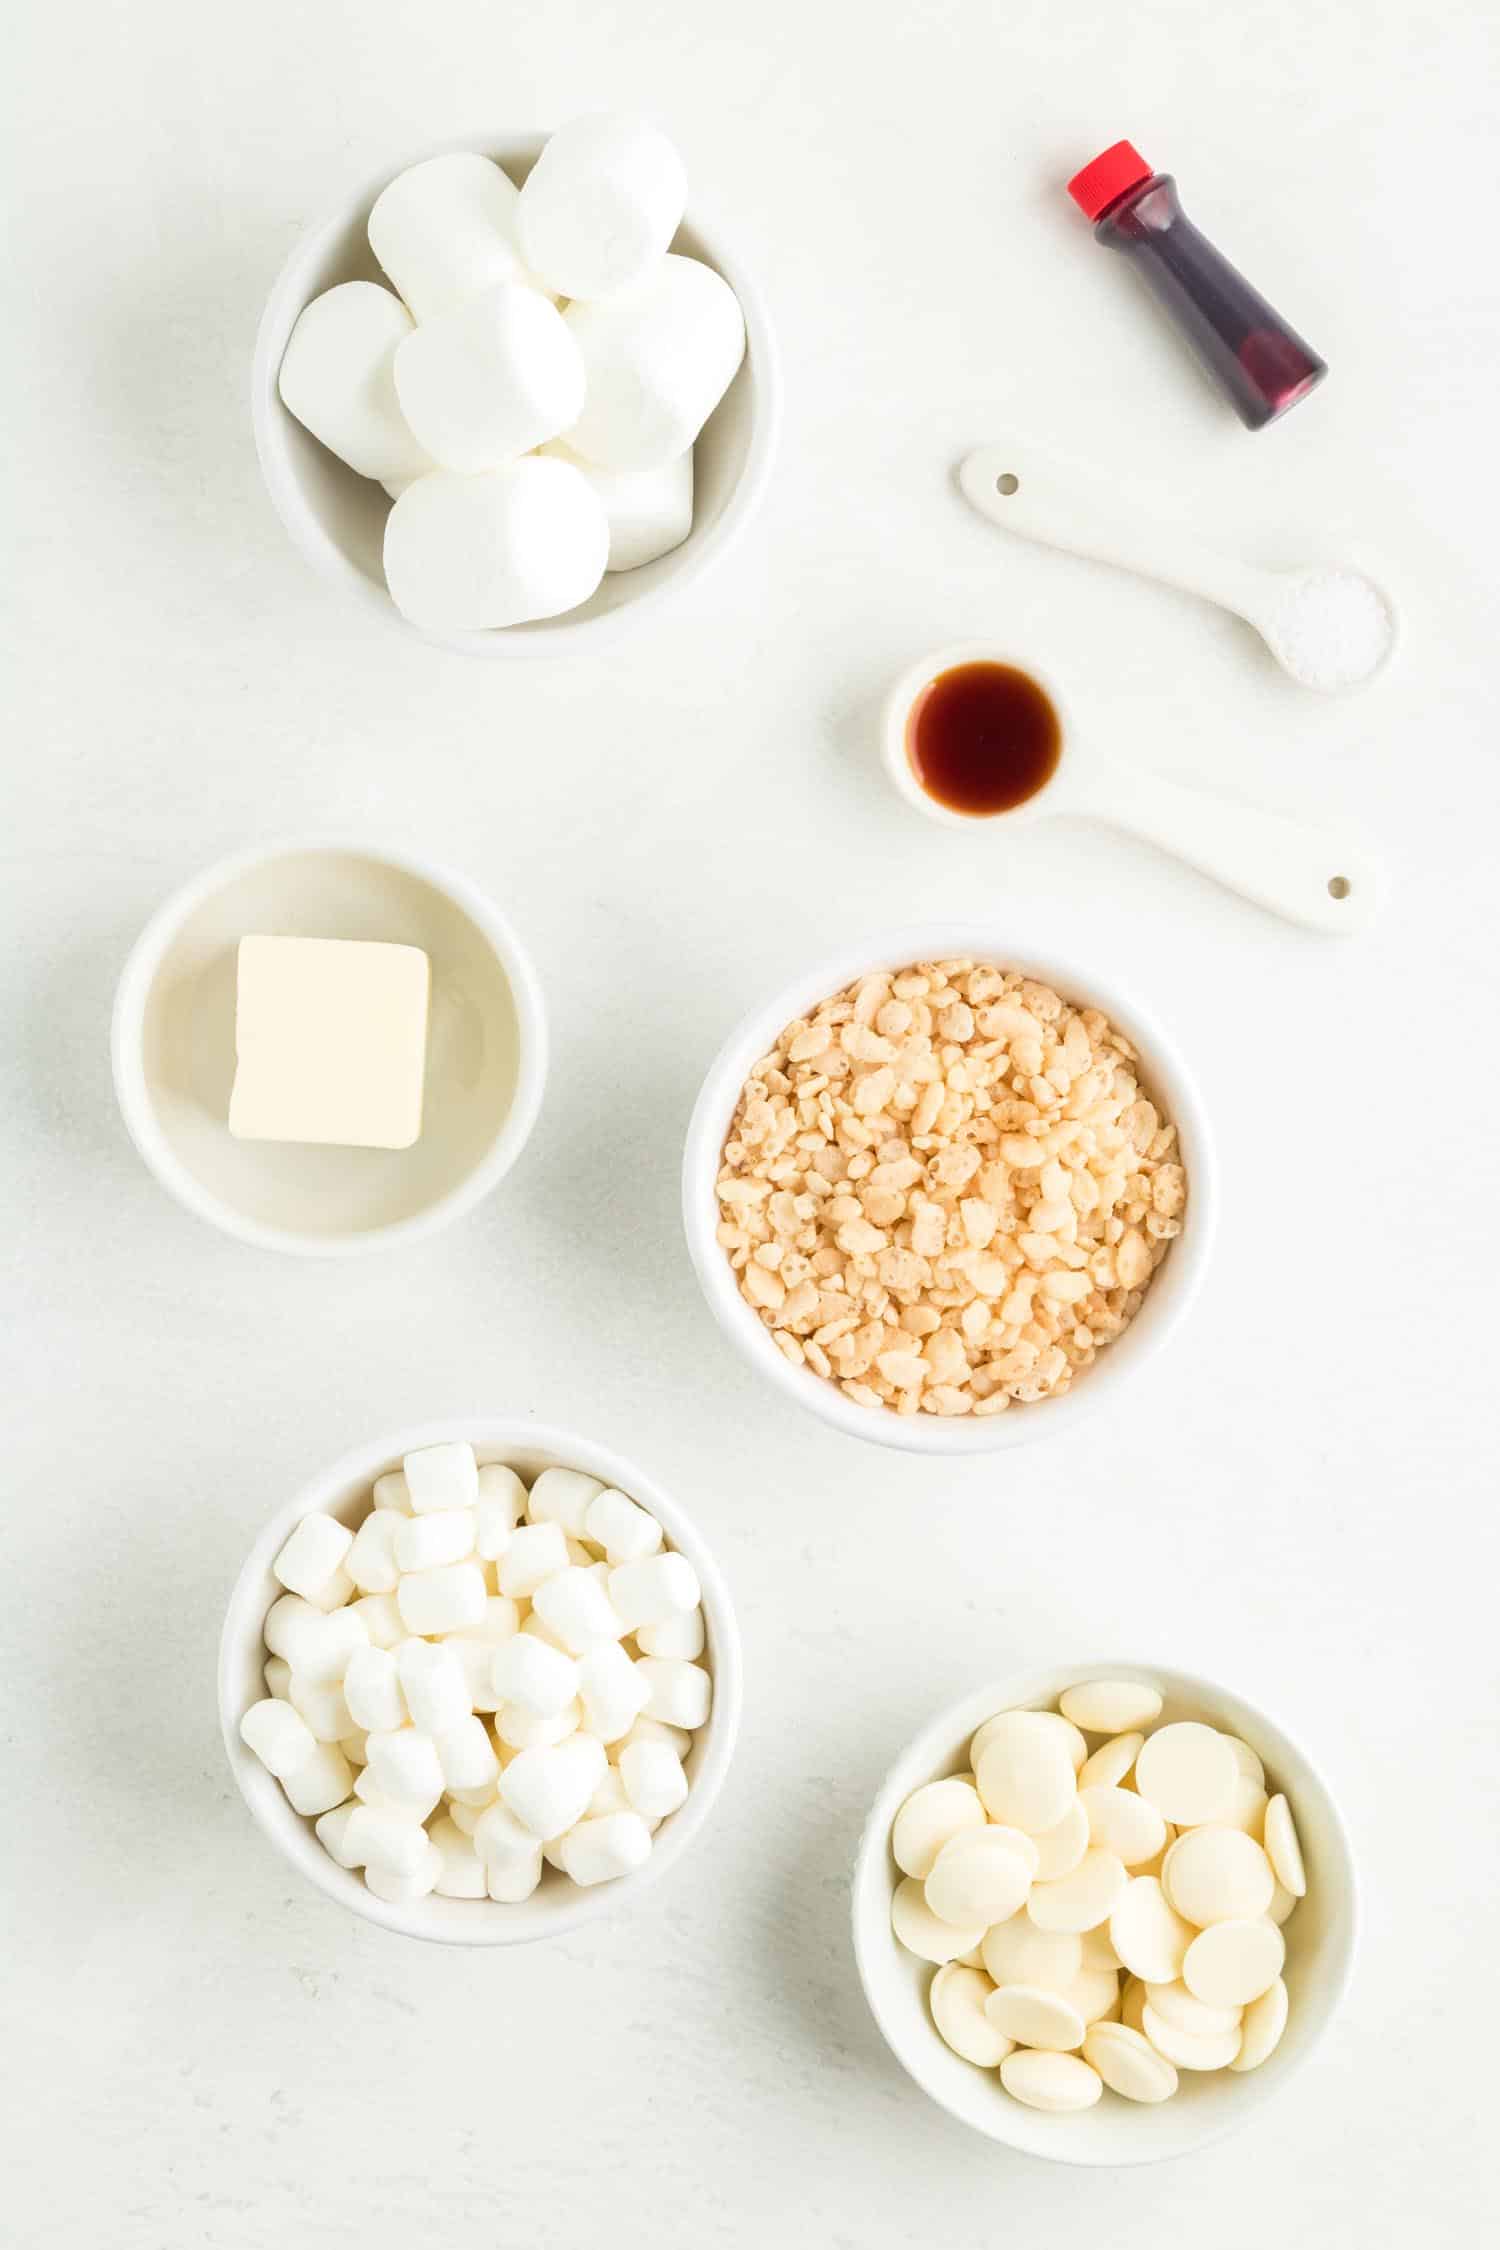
(1262, 363)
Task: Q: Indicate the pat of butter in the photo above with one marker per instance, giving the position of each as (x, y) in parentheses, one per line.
(331, 1040)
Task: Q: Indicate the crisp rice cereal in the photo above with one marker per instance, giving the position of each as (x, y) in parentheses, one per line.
(946, 1189)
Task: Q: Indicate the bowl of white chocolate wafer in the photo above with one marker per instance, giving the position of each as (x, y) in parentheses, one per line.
(1103, 1911)
(480, 1681)
(514, 390)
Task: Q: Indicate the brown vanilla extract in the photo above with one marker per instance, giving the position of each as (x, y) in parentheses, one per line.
(983, 738)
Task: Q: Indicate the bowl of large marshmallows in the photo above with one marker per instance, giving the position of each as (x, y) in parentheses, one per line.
(479, 1683)
(507, 393)
(1101, 1912)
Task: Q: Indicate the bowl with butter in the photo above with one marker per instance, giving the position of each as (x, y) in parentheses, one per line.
(325, 1046)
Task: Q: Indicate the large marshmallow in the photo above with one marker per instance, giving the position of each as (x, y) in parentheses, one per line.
(337, 376)
(278, 1735)
(445, 229)
(465, 553)
(600, 205)
(490, 379)
(548, 1789)
(596, 1851)
(658, 358)
(650, 511)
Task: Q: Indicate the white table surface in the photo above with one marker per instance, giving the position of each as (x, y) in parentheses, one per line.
(1299, 1497)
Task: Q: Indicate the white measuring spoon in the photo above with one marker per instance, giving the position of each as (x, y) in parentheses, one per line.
(1329, 628)
(1306, 874)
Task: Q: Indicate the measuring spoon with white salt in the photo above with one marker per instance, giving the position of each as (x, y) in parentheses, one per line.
(1330, 628)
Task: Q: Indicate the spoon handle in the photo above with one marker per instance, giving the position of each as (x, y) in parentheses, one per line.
(1322, 879)
(1044, 496)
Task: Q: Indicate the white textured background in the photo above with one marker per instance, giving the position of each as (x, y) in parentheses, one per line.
(201, 2052)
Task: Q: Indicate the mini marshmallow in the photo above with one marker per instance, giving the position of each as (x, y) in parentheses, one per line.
(466, 1816)
(320, 1782)
(595, 1851)
(658, 358)
(489, 379)
(369, 1792)
(381, 1619)
(537, 1552)
(501, 1620)
(649, 511)
(476, 1657)
(600, 205)
(279, 1736)
(337, 377)
(322, 1707)
(515, 1880)
(656, 1730)
(499, 1836)
(501, 1505)
(611, 1690)
(435, 1686)
(548, 1789)
(333, 1830)
(313, 1555)
(404, 1766)
(372, 1556)
(516, 1729)
(625, 1532)
(653, 1780)
(333, 1593)
(578, 1610)
(537, 1679)
(405, 1890)
(441, 1476)
(563, 1496)
(372, 1690)
(463, 1870)
(450, 1600)
(391, 1490)
(446, 229)
(609, 1796)
(465, 553)
(353, 1746)
(679, 1693)
(681, 1635)
(645, 1593)
(446, 1535)
(535, 1630)
(318, 1648)
(467, 1755)
(277, 1674)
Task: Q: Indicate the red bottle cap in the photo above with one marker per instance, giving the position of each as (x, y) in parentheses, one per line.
(1109, 177)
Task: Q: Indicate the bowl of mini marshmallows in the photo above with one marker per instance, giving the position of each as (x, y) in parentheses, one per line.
(511, 392)
(947, 1191)
(480, 1682)
(1102, 1912)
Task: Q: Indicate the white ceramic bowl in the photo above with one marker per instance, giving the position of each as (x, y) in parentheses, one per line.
(1320, 1936)
(1172, 1289)
(172, 1045)
(557, 1905)
(337, 519)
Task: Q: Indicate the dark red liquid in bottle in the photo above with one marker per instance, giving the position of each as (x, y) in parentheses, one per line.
(982, 738)
(1262, 363)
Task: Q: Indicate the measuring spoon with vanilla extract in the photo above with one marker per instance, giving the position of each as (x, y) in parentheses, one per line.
(972, 737)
